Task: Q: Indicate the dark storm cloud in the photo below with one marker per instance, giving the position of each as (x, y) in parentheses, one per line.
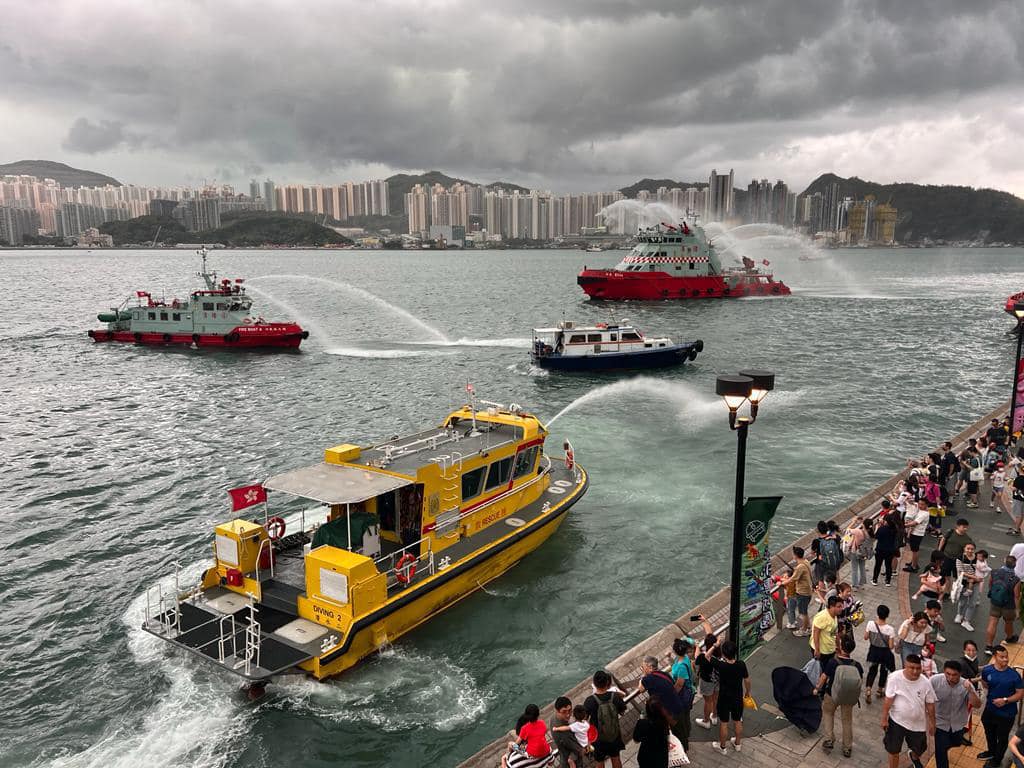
(89, 137)
(541, 89)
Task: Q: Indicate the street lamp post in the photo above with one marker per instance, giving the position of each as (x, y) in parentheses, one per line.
(1018, 311)
(752, 387)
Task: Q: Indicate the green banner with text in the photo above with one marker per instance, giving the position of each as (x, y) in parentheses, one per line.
(757, 609)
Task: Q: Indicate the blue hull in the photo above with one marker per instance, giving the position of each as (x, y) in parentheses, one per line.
(662, 357)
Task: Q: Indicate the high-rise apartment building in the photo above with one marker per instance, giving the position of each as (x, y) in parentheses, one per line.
(721, 196)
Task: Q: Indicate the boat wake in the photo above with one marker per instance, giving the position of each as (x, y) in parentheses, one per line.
(385, 354)
(523, 368)
(194, 721)
(396, 691)
(513, 343)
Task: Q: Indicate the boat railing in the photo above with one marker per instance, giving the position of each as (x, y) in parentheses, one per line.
(253, 638)
(168, 611)
(228, 620)
(387, 564)
(259, 556)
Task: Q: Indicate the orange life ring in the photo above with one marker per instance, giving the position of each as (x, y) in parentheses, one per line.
(405, 569)
(275, 528)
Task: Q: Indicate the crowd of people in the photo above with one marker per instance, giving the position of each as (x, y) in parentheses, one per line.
(918, 697)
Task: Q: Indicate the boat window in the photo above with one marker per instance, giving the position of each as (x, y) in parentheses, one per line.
(577, 338)
(152, 315)
(208, 305)
(630, 337)
(592, 337)
(693, 265)
(163, 315)
(650, 267)
(138, 315)
(525, 461)
(647, 345)
(679, 267)
(221, 305)
(176, 316)
(498, 476)
(472, 482)
(615, 337)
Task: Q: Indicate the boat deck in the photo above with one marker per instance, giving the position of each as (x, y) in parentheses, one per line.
(215, 623)
(405, 455)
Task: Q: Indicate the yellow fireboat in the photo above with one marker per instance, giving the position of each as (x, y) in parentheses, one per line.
(412, 526)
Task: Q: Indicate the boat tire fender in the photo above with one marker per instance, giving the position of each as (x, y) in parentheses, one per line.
(775, 289)
(167, 337)
(231, 338)
(275, 528)
(195, 339)
(138, 336)
(92, 334)
(405, 568)
(305, 334)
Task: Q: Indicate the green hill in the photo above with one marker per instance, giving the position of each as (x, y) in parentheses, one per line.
(946, 212)
(237, 232)
(401, 183)
(652, 185)
(64, 175)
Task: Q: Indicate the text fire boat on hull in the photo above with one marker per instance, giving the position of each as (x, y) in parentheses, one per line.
(399, 532)
(216, 316)
(677, 262)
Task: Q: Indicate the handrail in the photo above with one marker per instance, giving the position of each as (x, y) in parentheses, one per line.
(270, 544)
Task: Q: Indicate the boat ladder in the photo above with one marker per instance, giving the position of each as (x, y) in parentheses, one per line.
(167, 604)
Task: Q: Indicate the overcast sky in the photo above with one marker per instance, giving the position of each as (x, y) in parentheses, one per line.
(567, 95)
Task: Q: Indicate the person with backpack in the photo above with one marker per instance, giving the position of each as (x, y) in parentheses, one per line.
(954, 698)
(604, 707)
(1004, 597)
(828, 552)
(840, 683)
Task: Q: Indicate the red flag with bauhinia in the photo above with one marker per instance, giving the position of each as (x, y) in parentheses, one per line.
(142, 294)
(765, 262)
(247, 496)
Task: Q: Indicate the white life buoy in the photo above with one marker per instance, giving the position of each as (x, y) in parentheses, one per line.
(247, 321)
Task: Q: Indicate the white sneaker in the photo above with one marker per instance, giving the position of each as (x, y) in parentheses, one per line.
(703, 723)
(940, 637)
(957, 619)
(714, 719)
(967, 625)
(738, 747)
(718, 747)
(791, 626)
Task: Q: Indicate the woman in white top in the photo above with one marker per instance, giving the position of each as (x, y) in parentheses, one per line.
(913, 634)
(966, 585)
(880, 635)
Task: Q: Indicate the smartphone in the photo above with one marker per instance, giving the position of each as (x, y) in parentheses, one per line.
(695, 617)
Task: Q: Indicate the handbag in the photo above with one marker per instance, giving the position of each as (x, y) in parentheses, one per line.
(686, 695)
(676, 754)
(977, 474)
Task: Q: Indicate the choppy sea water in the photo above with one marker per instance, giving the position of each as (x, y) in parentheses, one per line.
(114, 462)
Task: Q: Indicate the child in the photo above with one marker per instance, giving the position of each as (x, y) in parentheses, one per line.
(966, 573)
(932, 579)
(881, 636)
(982, 570)
(580, 727)
(826, 588)
(927, 662)
(791, 602)
(998, 483)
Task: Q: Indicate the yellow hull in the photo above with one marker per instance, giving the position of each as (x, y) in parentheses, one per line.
(426, 599)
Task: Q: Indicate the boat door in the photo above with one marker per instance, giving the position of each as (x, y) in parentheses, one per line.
(401, 514)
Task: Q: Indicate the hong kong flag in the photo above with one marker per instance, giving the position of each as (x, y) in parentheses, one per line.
(247, 496)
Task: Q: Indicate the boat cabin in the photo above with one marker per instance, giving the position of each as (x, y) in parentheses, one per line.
(570, 340)
(681, 251)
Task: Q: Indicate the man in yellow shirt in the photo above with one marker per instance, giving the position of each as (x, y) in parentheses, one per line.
(824, 629)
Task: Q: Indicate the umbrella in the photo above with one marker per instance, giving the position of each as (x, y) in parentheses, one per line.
(794, 694)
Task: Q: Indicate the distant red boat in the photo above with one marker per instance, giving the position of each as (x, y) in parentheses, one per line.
(1011, 301)
(671, 262)
(215, 317)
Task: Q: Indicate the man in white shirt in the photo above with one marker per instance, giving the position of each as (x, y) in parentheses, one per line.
(908, 714)
(1017, 550)
(916, 523)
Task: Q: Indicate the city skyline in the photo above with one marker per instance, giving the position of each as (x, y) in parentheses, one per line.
(563, 96)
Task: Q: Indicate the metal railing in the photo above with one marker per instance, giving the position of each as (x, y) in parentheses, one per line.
(259, 554)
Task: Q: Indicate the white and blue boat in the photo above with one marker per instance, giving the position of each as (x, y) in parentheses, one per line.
(606, 347)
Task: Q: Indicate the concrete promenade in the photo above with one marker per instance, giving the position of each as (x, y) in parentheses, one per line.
(769, 739)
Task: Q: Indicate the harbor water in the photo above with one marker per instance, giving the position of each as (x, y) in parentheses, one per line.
(115, 460)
